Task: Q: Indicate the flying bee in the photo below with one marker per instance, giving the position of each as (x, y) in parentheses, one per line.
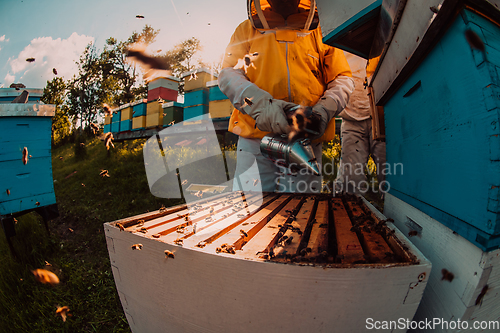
(30, 59)
(8, 192)
(412, 233)
(136, 247)
(184, 182)
(25, 155)
(108, 140)
(104, 173)
(479, 298)
(70, 230)
(44, 276)
(63, 312)
(139, 16)
(255, 182)
(169, 254)
(37, 204)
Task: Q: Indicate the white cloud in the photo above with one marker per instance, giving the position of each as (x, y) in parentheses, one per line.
(48, 53)
(8, 80)
(2, 39)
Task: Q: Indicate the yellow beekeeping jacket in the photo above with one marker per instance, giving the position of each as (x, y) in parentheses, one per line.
(289, 62)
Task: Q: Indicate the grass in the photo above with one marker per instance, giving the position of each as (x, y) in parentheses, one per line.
(76, 247)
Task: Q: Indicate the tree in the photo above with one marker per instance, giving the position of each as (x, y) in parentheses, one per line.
(90, 89)
(55, 93)
(182, 56)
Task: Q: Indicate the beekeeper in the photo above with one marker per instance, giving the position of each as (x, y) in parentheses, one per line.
(357, 139)
(274, 60)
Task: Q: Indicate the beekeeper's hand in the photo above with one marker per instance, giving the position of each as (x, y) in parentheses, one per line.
(269, 113)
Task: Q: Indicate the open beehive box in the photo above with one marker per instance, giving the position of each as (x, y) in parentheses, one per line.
(272, 262)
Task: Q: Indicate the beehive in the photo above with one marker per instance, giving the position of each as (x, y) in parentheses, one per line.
(197, 79)
(153, 107)
(276, 251)
(107, 120)
(195, 111)
(172, 112)
(26, 178)
(439, 115)
(163, 93)
(125, 125)
(115, 127)
(139, 108)
(138, 123)
(154, 119)
(107, 128)
(170, 82)
(125, 112)
(220, 109)
(215, 94)
(196, 97)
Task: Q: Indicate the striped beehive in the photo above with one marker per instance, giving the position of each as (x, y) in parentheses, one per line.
(165, 88)
(264, 252)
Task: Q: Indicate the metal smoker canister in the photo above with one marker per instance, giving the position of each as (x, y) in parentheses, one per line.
(296, 154)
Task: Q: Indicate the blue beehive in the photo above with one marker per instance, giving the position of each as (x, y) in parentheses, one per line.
(107, 128)
(196, 97)
(139, 108)
(125, 125)
(443, 129)
(25, 184)
(195, 111)
(214, 93)
(115, 127)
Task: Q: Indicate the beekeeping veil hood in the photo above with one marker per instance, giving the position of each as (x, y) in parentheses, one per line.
(263, 16)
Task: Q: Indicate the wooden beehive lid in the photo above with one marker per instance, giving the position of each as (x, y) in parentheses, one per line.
(199, 71)
(145, 100)
(27, 110)
(284, 228)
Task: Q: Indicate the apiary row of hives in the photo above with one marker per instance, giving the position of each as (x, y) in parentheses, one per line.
(286, 228)
(161, 109)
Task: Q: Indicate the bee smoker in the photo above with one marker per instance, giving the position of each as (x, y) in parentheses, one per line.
(296, 154)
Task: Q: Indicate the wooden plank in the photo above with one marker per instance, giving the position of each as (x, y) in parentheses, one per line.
(318, 239)
(266, 237)
(374, 244)
(299, 227)
(226, 221)
(236, 238)
(349, 249)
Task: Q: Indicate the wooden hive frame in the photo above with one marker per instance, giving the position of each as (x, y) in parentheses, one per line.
(285, 228)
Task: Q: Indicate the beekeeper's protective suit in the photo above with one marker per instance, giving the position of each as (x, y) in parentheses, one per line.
(357, 139)
(276, 59)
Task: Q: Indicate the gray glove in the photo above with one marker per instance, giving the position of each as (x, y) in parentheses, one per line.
(326, 108)
(269, 113)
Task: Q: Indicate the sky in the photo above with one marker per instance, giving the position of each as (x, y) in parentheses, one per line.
(55, 32)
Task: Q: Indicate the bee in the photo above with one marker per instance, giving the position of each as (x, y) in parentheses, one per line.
(44, 276)
(63, 311)
(212, 210)
(162, 209)
(156, 236)
(412, 233)
(104, 173)
(184, 182)
(474, 40)
(140, 223)
(30, 59)
(208, 219)
(139, 16)
(479, 298)
(37, 203)
(180, 229)
(255, 182)
(226, 248)
(8, 192)
(108, 140)
(169, 254)
(447, 275)
(94, 128)
(61, 158)
(143, 230)
(201, 244)
(25, 155)
(54, 71)
(243, 233)
(178, 241)
(119, 225)
(70, 230)
(136, 247)
(241, 216)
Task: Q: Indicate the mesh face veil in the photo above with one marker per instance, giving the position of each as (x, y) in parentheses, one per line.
(283, 14)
